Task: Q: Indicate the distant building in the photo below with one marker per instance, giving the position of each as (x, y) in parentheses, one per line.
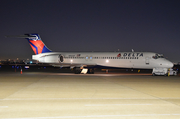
(31, 62)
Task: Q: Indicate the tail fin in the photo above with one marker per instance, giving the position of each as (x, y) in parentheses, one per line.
(36, 43)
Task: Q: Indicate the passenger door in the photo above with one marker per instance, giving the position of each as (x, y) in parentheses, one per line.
(147, 61)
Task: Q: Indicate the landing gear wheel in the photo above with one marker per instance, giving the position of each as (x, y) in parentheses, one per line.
(91, 71)
(77, 70)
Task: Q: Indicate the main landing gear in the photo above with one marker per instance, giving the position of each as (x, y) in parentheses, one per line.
(79, 71)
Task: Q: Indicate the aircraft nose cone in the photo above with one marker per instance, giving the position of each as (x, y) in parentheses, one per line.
(167, 64)
(170, 64)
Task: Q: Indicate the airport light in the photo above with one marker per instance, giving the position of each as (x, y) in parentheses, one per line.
(107, 61)
(71, 60)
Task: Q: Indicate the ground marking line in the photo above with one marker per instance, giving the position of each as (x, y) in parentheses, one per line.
(85, 98)
(3, 106)
(93, 116)
(75, 98)
(113, 104)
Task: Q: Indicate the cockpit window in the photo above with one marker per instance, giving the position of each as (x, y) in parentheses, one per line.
(156, 56)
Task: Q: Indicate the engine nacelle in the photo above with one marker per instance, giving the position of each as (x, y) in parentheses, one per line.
(61, 58)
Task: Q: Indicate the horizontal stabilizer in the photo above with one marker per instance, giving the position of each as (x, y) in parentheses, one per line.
(34, 41)
(20, 36)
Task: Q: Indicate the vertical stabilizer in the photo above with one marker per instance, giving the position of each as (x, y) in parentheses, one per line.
(36, 43)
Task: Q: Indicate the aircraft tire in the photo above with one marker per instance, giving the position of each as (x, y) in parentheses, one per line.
(77, 71)
(91, 71)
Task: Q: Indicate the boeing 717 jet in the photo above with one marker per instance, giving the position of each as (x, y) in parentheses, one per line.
(79, 60)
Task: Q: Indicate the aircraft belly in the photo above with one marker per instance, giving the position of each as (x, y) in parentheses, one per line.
(119, 63)
(141, 65)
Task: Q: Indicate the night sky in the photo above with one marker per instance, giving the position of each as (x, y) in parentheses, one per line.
(91, 25)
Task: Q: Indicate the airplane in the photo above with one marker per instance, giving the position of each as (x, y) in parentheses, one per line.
(81, 60)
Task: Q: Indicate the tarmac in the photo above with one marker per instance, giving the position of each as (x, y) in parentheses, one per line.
(38, 95)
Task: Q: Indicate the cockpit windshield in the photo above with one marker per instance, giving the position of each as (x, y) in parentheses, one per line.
(158, 56)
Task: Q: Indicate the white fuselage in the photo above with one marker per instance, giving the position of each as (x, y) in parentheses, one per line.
(140, 60)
